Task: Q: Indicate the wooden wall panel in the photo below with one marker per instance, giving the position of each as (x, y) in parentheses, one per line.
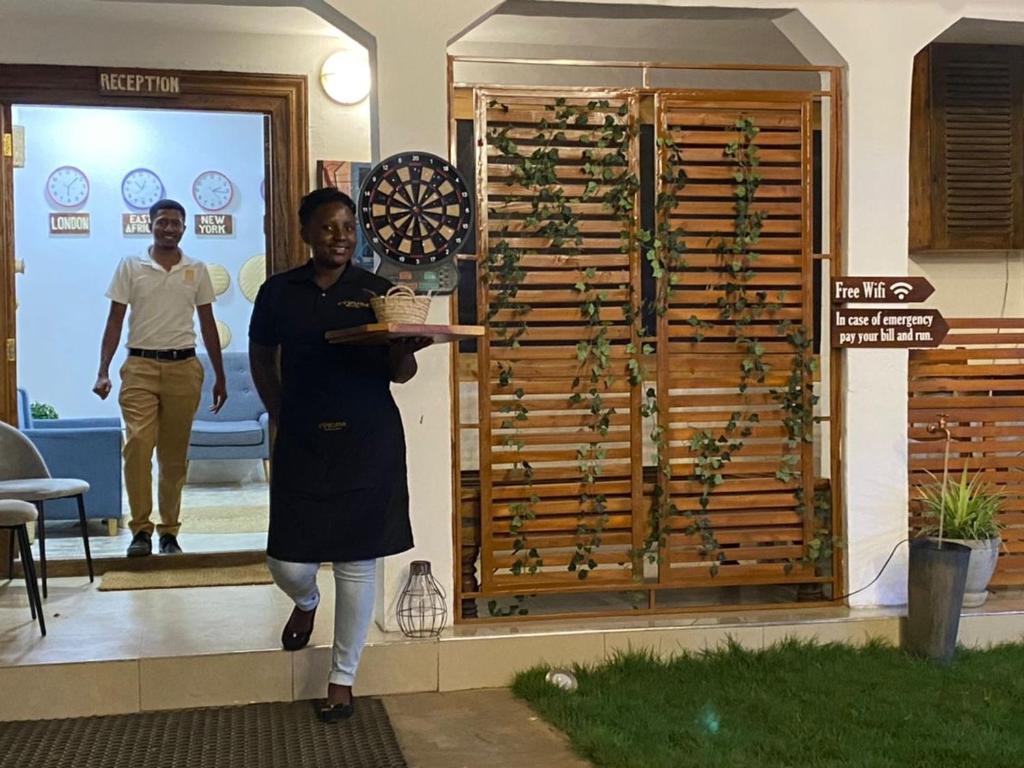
(534, 525)
(757, 528)
(975, 379)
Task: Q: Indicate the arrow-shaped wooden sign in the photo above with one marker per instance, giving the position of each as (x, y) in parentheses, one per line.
(882, 290)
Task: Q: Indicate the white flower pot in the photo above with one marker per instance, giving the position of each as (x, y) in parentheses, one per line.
(984, 554)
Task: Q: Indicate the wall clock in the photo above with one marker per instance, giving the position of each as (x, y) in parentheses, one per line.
(67, 187)
(141, 188)
(415, 212)
(213, 190)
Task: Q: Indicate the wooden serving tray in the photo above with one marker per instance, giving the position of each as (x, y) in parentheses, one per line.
(382, 333)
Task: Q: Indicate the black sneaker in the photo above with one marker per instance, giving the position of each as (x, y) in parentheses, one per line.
(169, 544)
(142, 544)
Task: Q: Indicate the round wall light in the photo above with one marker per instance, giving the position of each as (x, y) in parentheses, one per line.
(345, 76)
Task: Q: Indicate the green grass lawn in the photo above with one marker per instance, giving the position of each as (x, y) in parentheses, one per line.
(792, 705)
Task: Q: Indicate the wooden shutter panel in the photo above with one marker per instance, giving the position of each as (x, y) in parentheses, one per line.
(976, 147)
(760, 527)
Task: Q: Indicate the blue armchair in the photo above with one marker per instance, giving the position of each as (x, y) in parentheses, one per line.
(242, 428)
(89, 449)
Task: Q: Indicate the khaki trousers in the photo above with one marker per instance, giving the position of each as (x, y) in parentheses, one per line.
(158, 401)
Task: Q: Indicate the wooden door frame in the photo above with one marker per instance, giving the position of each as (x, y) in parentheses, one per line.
(8, 377)
(282, 98)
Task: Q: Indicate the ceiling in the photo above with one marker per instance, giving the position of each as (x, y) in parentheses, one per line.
(532, 29)
(185, 16)
(984, 31)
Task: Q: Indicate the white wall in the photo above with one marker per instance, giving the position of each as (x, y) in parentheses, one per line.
(879, 53)
(974, 283)
(412, 96)
(336, 132)
(877, 39)
(62, 308)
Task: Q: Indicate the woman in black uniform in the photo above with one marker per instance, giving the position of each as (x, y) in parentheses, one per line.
(338, 489)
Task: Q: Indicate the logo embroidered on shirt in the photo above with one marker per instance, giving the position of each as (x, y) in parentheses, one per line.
(332, 426)
(190, 276)
(354, 304)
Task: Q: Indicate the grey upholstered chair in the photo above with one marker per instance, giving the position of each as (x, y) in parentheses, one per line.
(24, 476)
(15, 516)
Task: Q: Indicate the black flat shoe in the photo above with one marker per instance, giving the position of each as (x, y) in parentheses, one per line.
(332, 713)
(169, 544)
(293, 641)
(142, 545)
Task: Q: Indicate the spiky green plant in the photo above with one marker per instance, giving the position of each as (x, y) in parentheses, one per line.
(968, 506)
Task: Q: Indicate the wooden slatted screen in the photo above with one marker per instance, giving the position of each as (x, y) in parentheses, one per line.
(968, 148)
(756, 520)
(976, 378)
(536, 372)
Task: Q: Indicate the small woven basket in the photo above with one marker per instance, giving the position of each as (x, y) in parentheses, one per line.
(400, 305)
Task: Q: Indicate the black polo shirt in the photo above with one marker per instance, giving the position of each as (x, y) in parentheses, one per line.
(292, 311)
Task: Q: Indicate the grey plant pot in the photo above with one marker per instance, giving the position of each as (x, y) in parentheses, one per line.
(935, 595)
(984, 555)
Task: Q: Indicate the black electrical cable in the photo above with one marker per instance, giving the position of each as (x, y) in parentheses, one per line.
(877, 577)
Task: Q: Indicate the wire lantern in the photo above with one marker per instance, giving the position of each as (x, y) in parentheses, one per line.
(423, 606)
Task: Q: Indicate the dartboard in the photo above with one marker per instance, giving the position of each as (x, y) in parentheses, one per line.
(415, 209)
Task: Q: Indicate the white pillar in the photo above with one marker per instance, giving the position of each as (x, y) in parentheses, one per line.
(412, 113)
(879, 52)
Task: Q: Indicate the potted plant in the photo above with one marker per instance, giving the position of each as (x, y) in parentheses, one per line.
(43, 411)
(966, 512)
(936, 578)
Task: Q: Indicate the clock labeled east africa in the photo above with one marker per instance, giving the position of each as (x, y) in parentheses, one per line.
(415, 210)
(141, 188)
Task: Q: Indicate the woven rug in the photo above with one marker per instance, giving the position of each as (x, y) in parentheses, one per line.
(283, 735)
(224, 576)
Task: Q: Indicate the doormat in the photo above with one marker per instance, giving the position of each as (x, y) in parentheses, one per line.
(222, 576)
(279, 735)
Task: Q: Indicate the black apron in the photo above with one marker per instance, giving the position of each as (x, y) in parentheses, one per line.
(339, 490)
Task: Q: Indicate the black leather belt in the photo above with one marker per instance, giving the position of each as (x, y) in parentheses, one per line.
(163, 354)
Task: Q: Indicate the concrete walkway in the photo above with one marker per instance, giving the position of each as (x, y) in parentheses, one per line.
(471, 729)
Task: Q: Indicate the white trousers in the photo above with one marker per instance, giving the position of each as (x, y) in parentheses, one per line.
(354, 594)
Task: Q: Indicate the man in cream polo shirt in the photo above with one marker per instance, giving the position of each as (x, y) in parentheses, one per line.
(161, 379)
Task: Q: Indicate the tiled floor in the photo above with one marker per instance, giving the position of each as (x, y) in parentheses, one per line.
(228, 517)
(172, 648)
(84, 624)
(65, 542)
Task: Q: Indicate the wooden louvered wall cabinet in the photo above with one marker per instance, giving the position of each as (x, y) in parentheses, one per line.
(967, 148)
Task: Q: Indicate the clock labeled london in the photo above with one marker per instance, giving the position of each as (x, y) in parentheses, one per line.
(67, 187)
